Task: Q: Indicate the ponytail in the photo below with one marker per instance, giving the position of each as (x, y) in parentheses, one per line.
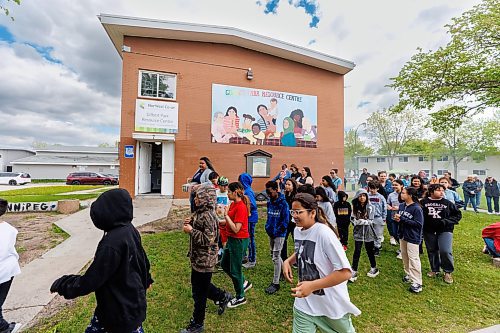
(321, 218)
(238, 189)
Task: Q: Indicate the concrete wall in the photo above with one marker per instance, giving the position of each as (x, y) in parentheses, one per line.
(9, 155)
(491, 166)
(60, 171)
(194, 88)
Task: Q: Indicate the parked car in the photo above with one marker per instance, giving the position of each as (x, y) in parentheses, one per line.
(116, 178)
(88, 178)
(14, 178)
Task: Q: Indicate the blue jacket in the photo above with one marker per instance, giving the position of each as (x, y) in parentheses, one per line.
(411, 223)
(246, 180)
(278, 215)
(288, 175)
(388, 187)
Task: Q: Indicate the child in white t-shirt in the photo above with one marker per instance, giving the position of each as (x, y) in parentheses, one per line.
(222, 202)
(9, 266)
(321, 296)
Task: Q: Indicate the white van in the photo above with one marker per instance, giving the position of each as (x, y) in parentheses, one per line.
(14, 178)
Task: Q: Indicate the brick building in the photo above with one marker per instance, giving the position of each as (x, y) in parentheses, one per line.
(177, 83)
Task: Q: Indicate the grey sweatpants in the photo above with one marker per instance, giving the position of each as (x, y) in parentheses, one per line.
(378, 227)
(439, 250)
(276, 244)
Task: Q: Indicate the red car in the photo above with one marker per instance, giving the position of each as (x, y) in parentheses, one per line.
(89, 178)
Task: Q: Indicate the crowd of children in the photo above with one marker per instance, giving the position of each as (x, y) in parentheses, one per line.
(221, 230)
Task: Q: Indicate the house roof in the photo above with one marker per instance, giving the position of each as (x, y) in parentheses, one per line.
(79, 149)
(18, 149)
(67, 160)
(119, 26)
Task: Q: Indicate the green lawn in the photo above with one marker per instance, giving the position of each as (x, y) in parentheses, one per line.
(51, 193)
(472, 302)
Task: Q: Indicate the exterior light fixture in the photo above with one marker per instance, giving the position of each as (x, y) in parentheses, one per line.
(157, 143)
(249, 74)
(126, 48)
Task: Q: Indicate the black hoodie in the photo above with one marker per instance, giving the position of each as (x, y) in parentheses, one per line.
(342, 209)
(119, 274)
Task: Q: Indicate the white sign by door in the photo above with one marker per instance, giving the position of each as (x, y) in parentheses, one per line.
(145, 156)
(156, 116)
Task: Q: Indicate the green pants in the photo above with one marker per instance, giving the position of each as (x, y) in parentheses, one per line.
(304, 323)
(231, 262)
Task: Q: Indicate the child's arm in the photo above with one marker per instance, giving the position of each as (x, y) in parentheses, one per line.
(305, 288)
(207, 236)
(287, 269)
(284, 218)
(105, 263)
(384, 208)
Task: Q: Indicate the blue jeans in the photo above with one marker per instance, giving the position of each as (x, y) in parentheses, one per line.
(478, 199)
(439, 250)
(472, 199)
(95, 327)
(495, 203)
(490, 246)
(392, 226)
(252, 250)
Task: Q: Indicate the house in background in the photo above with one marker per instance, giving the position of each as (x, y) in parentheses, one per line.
(7, 155)
(412, 163)
(56, 162)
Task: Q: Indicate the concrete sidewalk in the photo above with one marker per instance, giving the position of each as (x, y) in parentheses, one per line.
(30, 293)
(492, 329)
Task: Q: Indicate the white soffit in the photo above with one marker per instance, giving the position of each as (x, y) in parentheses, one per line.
(119, 26)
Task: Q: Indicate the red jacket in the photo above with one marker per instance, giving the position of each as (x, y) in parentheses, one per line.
(493, 231)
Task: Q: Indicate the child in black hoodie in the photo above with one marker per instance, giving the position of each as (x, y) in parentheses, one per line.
(119, 274)
(342, 210)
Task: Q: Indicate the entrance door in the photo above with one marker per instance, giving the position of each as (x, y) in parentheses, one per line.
(145, 156)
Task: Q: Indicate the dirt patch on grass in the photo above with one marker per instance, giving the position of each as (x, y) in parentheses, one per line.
(174, 221)
(37, 233)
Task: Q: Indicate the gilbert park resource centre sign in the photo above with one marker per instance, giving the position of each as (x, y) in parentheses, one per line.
(156, 116)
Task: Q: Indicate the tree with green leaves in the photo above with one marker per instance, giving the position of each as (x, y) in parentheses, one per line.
(5, 9)
(354, 147)
(470, 138)
(465, 72)
(391, 131)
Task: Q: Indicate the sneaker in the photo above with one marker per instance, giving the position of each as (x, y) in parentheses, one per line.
(392, 241)
(432, 274)
(245, 260)
(223, 303)
(373, 272)
(354, 276)
(377, 252)
(272, 288)
(490, 213)
(406, 279)
(448, 278)
(415, 288)
(399, 256)
(247, 285)
(344, 247)
(295, 266)
(235, 302)
(13, 328)
(250, 264)
(193, 327)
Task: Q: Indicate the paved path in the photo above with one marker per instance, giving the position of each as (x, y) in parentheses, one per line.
(492, 329)
(30, 290)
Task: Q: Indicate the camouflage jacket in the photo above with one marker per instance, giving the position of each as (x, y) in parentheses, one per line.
(204, 236)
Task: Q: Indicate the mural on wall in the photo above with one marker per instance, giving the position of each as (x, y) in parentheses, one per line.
(254, 116)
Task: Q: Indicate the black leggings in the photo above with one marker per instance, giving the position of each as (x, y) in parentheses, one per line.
(370, 250)
(203, 289)
(343, 227)
(284, 250)
(4, 290)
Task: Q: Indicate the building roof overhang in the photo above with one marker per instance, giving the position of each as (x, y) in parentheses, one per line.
(119, 26)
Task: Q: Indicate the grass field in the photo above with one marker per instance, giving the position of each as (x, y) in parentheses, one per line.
(472, 302)
(51, 193)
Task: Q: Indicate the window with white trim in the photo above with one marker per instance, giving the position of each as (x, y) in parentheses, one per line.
(363, 160)
(157, 85)
(479, 172)
(441, 172)
(403, 159)
(380, 159)
(442, 158)
(423, 158)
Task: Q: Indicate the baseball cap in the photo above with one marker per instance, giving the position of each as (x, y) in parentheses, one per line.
(223, 181)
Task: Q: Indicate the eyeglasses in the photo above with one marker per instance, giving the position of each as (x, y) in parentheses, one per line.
(297, 212)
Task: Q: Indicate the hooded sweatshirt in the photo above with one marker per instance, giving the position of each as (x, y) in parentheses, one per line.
(342, 209)
(379, 205)
(203, 241)
(411, 223)
(278, 215)
(246, 180)
(493, 231)
(119, 274)
(363, 227)
(440, 215)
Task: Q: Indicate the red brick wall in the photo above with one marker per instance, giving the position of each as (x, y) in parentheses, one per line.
(194, 95)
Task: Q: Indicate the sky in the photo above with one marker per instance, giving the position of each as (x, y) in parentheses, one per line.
(60, 76)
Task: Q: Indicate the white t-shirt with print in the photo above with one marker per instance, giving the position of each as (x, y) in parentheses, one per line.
(319, 253)
(9, 265)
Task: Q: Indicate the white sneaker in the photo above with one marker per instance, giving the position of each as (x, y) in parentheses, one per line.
(393, 241)
(354, 276)
(399, 256)
(373, 272)
(490, 213)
